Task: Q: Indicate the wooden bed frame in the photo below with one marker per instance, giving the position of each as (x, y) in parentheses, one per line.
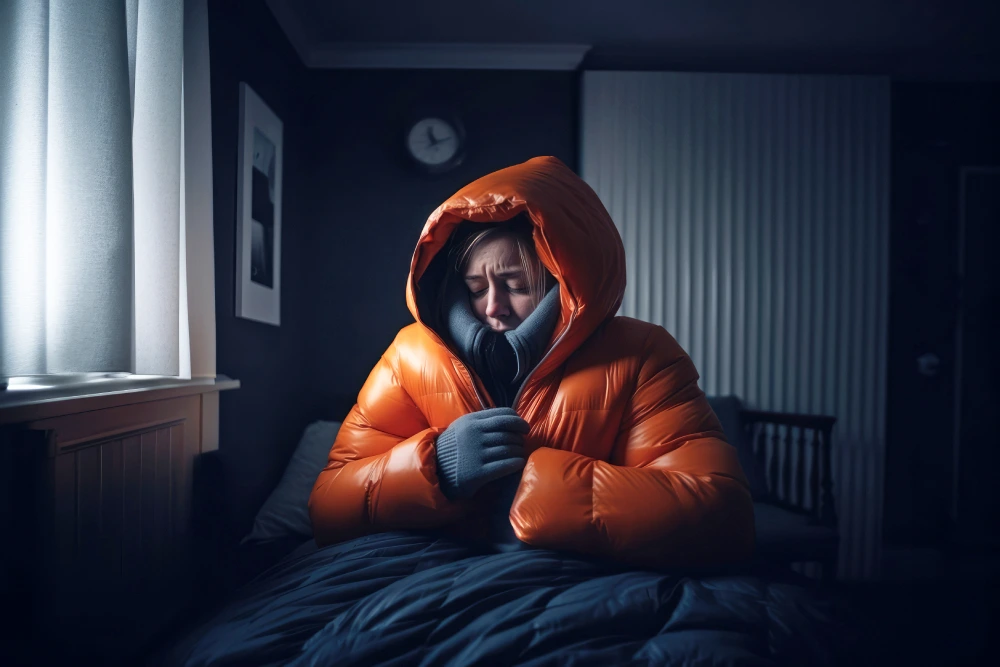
(794, 451)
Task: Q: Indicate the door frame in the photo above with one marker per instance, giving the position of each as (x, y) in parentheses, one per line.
(963, 172)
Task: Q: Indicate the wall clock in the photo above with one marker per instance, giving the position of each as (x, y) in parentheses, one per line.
(435, 142)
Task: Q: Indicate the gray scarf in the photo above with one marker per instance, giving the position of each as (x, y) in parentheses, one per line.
(501, 360)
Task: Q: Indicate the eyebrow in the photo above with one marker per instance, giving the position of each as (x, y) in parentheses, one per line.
(502, 274)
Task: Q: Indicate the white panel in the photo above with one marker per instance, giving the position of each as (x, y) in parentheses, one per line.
(198, 190)
(24, 32)
(88, 301)
(754, 213)
(183, 322)
(156, 147)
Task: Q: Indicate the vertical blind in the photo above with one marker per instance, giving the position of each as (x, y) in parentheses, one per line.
(94, 213)
(754, 212)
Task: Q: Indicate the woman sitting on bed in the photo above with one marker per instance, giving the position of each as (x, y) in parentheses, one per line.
(520, 411)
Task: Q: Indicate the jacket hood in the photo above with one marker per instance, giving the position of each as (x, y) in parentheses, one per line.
(574, 236)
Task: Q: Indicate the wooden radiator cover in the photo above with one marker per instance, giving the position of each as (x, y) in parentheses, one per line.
(102, 503)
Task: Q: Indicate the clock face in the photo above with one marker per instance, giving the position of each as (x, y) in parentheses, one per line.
(433, 141)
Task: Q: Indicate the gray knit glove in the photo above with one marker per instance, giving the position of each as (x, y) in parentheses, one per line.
(478, 448)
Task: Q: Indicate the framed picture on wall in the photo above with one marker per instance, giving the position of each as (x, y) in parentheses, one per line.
(258, 211)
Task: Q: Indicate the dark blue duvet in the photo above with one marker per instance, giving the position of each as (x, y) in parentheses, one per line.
(407, 599)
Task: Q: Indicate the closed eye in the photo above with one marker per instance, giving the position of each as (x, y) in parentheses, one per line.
(479, 294)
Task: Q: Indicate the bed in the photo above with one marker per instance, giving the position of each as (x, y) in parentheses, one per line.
(421, 599)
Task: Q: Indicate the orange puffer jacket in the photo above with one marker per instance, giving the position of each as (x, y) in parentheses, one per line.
(626, 458)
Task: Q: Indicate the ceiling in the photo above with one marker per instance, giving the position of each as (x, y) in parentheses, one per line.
(908, 38)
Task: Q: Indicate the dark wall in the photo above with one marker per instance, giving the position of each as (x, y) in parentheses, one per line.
(353, 207)
(262, 420)
(369, 204)
(937, 129)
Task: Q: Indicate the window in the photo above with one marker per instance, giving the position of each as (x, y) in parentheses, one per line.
(105, 190)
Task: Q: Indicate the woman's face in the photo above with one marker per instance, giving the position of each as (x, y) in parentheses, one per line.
(498, 285)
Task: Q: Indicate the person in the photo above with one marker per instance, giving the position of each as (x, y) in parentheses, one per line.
(520, 411)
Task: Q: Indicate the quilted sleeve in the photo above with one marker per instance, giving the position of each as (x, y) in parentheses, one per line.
(675, 494)
(381, 473)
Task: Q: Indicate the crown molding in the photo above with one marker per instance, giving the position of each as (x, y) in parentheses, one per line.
(449, 56)
(316, 54)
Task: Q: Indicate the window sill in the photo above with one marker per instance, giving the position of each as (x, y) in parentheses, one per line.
(21, 405)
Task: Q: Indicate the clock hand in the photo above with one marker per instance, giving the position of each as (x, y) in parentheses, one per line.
(431, 137)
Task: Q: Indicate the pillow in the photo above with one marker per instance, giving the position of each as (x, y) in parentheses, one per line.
(727, 409)
(286, 511)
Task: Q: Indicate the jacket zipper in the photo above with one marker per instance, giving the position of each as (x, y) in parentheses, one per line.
(517, 397)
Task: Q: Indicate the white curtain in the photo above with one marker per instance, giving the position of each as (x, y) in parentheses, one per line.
(105, 188)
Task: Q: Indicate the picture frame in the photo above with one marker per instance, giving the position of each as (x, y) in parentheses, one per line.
(258, 210)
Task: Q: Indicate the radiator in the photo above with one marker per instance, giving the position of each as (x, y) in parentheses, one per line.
(754, 213)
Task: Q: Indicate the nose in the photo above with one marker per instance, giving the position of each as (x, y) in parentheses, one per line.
(497, 304)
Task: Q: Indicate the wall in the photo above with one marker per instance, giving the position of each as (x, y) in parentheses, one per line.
(353, 209)
(754, 212)
(938, 129)
(367, 203)
(262, 421)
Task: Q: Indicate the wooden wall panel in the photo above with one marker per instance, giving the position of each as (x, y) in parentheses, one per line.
(112, 506)
(131, 544)
(160, 494)
(116, 486)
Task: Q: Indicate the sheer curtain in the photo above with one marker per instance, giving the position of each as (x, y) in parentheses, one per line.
(105, 188)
